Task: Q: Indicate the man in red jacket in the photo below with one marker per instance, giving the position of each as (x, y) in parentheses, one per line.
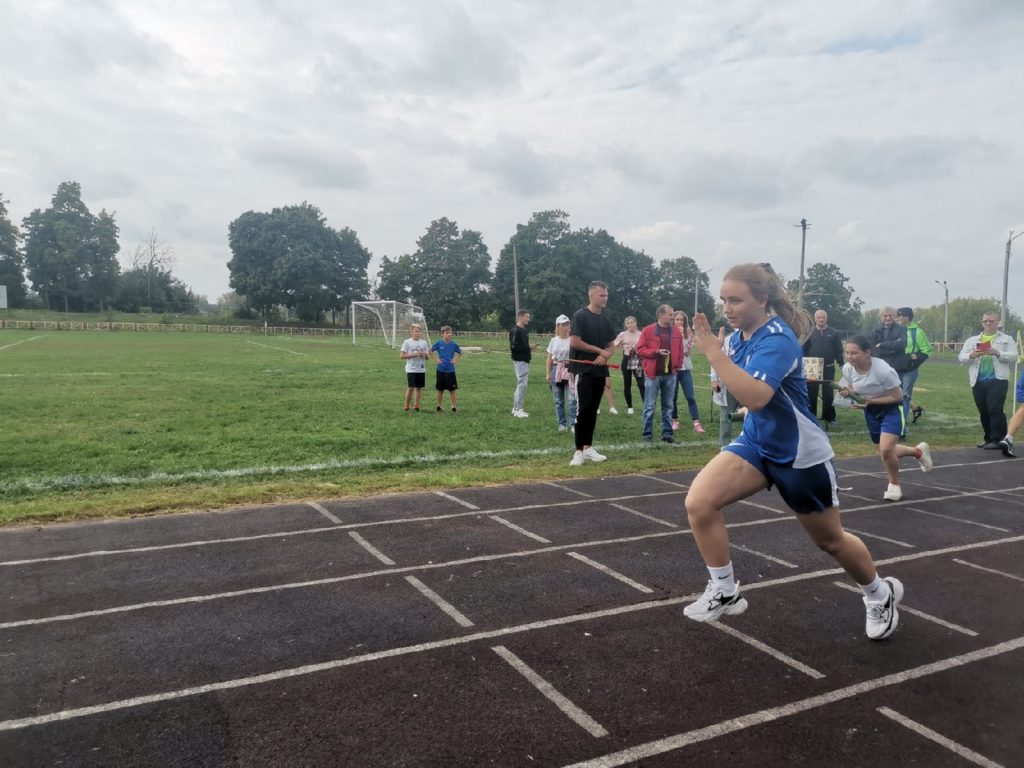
(661, 351)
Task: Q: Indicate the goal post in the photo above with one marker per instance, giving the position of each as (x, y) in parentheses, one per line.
(387, 320)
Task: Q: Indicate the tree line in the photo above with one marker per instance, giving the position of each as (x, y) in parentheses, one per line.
(69, 257)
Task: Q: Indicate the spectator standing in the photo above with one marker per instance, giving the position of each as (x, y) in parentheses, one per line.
(824, 342)
(661, 349)
(592, 340)
(563, 388)
(684, 376)
(632, 370)
(446, 354)
(521, 348)
(727, 408)
(889, 340)
(990, 355)
(414, 351)
(917, 352)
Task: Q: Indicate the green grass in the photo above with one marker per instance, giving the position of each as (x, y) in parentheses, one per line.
(108, 423)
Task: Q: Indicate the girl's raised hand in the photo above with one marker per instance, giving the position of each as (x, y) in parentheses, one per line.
(704, 338)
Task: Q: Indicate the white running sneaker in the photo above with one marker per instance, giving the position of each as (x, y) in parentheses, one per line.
(562, 428)
(713, 604)
(591, 455)
(577, 459)
(927, 465)
(893, 493)
(882, 618)
(629, 411)
(521, 414)
(612, 411)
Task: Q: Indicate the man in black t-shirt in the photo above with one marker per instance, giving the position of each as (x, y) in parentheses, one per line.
(521, 348)
(592, 339)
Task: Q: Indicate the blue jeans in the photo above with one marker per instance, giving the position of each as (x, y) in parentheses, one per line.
(666, 385)
(907, 381)
(564, 402)
(685, 379)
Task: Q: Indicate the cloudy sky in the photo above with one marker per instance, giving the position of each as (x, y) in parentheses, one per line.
(690, 128)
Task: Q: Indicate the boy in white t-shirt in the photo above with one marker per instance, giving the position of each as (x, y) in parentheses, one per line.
(414, 351)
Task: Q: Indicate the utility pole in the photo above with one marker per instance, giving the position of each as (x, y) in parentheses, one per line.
(515, 280)
(803, 248)
(1006, 279)
(945, 318)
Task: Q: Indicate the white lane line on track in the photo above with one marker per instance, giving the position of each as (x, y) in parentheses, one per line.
(570, 710)
(987, 570)
(915, 612)
(324, 511)
(671, 743)
(765, 507)
(667, 482)
(611, 572)
(277, 349)
(652, 518)
(307, 531)
(867, 535)
(766, 556)
(459, 617)
(370, 548)
(490, 558)
(23, 341)
(459, 501)
(518, 529)
(938, 738)
(789, 661)
(561, 487)
(959, 520)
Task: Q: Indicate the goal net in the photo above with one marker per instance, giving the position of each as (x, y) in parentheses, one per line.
(373, 321)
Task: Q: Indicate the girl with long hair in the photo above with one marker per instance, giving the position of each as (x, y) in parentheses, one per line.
(781, 444)
(684, 376)
(631, 368)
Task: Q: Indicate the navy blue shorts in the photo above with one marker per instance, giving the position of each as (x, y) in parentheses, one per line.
(1020, 390)
(889, 418)
(805, 490)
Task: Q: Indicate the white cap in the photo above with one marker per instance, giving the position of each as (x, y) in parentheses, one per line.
(561, 319)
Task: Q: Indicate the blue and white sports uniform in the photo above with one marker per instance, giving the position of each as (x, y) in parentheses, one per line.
(783, 440)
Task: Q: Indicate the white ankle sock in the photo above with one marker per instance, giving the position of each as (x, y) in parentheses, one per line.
(724, 579)
(877, 591)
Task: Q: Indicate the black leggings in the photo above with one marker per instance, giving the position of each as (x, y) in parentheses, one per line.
(627, 384)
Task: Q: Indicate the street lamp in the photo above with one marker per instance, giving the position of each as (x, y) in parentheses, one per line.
(1006, 278)
(696, 288)
(945, 319)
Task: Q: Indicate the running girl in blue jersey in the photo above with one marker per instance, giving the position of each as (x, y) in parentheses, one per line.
(761, 364)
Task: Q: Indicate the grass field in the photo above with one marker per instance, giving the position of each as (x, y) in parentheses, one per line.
(107, 423)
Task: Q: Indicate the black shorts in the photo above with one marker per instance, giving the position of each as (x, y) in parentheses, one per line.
(446, 381)
(416, 380)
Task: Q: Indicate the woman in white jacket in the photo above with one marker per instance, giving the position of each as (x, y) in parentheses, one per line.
(990, 355)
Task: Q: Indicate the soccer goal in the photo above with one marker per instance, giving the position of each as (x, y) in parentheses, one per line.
(387, 320)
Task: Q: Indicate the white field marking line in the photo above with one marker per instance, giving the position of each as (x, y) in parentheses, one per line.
(324, 511)
(959, 520)
(764, 555)
(370, 548)
(78, 482)
(517, 529)
(880, 538)
(448, 496)
(652, 518)
(938, 738)
(440, 602)
(570, 710)
(663, 480)
(611, 572)
(23, 341)
(678, 741)
(789, 661)
(915, 612)
(570, 490)
(277, 349)
(484, 559)
(987, 570)
(304, 531)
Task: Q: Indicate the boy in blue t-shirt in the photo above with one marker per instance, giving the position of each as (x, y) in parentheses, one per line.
(446, 354)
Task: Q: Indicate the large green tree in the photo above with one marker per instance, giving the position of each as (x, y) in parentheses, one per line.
(677, 279)
(71, 254)
(448, 276)
(291, 257)
(555, 265)
(12, 264)
(826, 287)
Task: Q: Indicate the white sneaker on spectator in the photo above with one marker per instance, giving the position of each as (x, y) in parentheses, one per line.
(577, 459)
(520, 414)
(592, 455)
(612, 411)
(629, 411)
(562, 428)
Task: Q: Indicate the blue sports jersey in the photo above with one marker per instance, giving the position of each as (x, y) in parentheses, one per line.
(785, 430)
(446, 352)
